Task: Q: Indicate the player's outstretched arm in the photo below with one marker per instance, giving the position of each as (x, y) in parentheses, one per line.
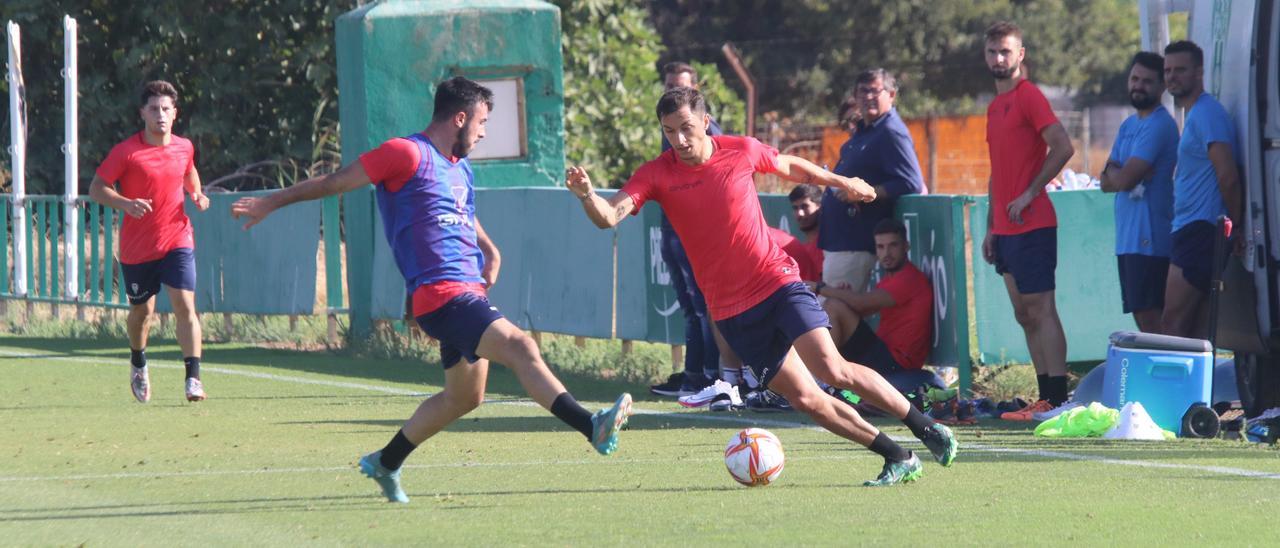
(492, 258)
(105, 193)
(800, 170)
(254, 210)
(604, 213)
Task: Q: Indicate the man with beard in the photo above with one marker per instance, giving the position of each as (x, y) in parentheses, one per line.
(806, 204)
(427, 200)
(1028, 148)
(1205, 187)
(881, 152)
(1140, 172)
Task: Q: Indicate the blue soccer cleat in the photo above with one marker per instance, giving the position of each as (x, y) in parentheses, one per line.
(389, 480)
(606, 423)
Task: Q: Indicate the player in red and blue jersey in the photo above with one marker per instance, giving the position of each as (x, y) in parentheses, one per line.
(753, 289)
(426, 195)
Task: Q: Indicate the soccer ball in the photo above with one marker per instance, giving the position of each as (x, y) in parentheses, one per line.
(754, 457)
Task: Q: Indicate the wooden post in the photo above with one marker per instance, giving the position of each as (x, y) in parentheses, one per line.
(677, 357)
(31, 311)
(580, 342)
(537, 338)
(293, 323)
(79, 312)
(55, 312)
(228, 326)
(627, 345)
(333, 329)
(4, 307)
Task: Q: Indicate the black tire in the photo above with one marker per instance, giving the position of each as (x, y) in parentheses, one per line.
(1200, 422)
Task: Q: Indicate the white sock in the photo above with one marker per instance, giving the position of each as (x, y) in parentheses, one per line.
(731, 376)
(750, 376)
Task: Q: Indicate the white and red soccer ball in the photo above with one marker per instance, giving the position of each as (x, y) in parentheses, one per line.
(754, 457)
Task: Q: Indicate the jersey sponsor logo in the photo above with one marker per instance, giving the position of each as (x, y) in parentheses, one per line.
(687, 186)
(453, 219)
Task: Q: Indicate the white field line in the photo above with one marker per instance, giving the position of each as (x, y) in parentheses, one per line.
(968, 446)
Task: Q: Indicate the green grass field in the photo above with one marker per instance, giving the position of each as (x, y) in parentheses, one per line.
(270, 458)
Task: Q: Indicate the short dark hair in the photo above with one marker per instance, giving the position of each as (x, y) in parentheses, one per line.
(1185, 46)
(805, 191)
(459, 94)
(847, 112)
(891, 226)
(157, 88)
(1149, 60)
(871, 75)
(676, 98)
(679, 67)
(1000, 29)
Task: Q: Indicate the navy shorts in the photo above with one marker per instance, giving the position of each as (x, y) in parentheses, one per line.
(1142, 280)
(458, 326)
(177, 269)
(762, 336)
(1193, 253)
(1031, 257)
(866, 348)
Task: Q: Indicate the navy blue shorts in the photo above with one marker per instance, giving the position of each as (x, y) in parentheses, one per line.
(866, 348)
(1031, 257)
(1193, 253)
(458, 326)
(1142, 280)
(177, 269)
(763, 334)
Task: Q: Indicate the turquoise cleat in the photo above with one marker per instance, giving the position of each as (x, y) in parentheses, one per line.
(606, 423)
(896, 472)
(941, 443)
(389, 480)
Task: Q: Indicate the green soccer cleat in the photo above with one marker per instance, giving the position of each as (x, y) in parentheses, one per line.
(389, 480)
(896, 472)
(606, 423)
(942, 443)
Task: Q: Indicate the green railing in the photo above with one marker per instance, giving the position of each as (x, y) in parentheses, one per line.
(98, 273)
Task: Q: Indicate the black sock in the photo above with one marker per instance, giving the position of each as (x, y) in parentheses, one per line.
(1057, 390)
(567, 409)
(1042, 383)
(138, 357)
(888, 448)
(917, 422)
(193, 367)
(396, 451)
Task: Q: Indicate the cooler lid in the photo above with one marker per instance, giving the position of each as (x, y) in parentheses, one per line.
(1149, 341)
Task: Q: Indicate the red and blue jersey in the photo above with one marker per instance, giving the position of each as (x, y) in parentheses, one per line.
(427, 202)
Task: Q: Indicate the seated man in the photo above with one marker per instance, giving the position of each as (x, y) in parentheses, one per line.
(903, 298)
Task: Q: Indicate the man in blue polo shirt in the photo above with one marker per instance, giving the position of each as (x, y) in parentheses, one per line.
(881, 152)
(1140, 172)
(1205, 187)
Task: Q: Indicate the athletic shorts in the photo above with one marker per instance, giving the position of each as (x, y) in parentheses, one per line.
(458, 325)
(866, 348)
(1142, 279)
(1193, 253)
(1031, 257)
(177, 269)
(762, 336)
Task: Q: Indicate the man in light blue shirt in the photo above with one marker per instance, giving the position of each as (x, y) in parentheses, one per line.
(1140, 172)
(1205, 187)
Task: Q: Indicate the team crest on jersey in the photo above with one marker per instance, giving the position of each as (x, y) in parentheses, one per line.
(459, 197)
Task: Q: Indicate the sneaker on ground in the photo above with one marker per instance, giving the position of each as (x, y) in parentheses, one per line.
(895, 472)
(671, 387)
(941, 443)
(767, 401)
(1046, 415)
(704, 396)
(727, 401)
(195, 389)
(606, 423)
(140, 382)
(1027, 413)
(952, 412)
(389, 480)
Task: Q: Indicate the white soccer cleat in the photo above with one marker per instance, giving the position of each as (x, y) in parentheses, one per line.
(706, 395)
(195, 390)
(140, 382)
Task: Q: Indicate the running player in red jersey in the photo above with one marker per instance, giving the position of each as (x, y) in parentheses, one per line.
(753, 289)
(145, 176)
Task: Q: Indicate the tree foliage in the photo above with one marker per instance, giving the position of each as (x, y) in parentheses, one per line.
(256, 79)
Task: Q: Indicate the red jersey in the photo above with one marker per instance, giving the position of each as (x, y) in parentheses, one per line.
(806, 254)
(716, 212)
(1014, 122)
(155, 173)
(907, 326)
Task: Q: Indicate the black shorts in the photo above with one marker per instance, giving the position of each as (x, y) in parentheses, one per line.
(762, 336)
(1142, 279)
(177, 269)
(1193, 253)
(458, 325)
(1031, 257)
(866, 348)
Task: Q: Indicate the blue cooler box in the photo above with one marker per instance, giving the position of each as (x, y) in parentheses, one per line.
(1169, 375)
